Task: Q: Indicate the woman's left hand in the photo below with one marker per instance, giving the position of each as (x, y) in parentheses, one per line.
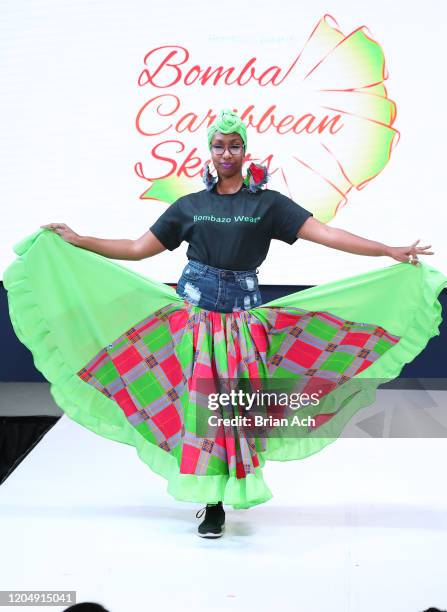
(408, 254)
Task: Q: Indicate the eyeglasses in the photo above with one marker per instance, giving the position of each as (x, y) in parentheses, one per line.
(234, 149)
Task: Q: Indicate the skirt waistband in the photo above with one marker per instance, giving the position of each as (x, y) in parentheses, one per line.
(222, 272)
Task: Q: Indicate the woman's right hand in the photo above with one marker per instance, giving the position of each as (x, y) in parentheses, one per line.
(64, 232)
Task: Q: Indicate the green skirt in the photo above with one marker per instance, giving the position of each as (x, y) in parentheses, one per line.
(128, 358)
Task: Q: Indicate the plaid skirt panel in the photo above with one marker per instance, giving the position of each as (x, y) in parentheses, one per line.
(154, 369)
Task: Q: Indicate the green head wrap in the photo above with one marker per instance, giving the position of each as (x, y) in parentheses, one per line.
(227, 122)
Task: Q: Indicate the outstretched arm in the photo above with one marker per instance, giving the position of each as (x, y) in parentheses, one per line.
(336, 238)
(145, 246)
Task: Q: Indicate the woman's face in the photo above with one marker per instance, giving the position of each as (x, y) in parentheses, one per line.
(229, 159)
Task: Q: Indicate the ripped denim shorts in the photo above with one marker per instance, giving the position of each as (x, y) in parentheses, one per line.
(219, 289)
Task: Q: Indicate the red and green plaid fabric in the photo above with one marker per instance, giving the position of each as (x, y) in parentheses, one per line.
(153, 372)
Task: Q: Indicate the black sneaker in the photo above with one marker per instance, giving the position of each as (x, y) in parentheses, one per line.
(214, 521)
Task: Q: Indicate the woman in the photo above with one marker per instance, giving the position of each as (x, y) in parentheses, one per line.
(147, 384)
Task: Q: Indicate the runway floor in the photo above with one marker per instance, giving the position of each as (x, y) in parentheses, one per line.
(360, 526)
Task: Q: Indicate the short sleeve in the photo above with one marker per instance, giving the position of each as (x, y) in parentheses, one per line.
(169, 228)
(288, 217)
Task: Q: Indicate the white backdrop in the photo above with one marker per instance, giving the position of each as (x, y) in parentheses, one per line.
(86, 119)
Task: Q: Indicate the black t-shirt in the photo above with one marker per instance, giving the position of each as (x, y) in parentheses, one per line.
(233, 230)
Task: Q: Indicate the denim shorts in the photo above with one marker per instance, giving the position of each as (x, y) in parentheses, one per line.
(219, 289)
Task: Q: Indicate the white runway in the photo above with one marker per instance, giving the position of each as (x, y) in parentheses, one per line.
(360, 526)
